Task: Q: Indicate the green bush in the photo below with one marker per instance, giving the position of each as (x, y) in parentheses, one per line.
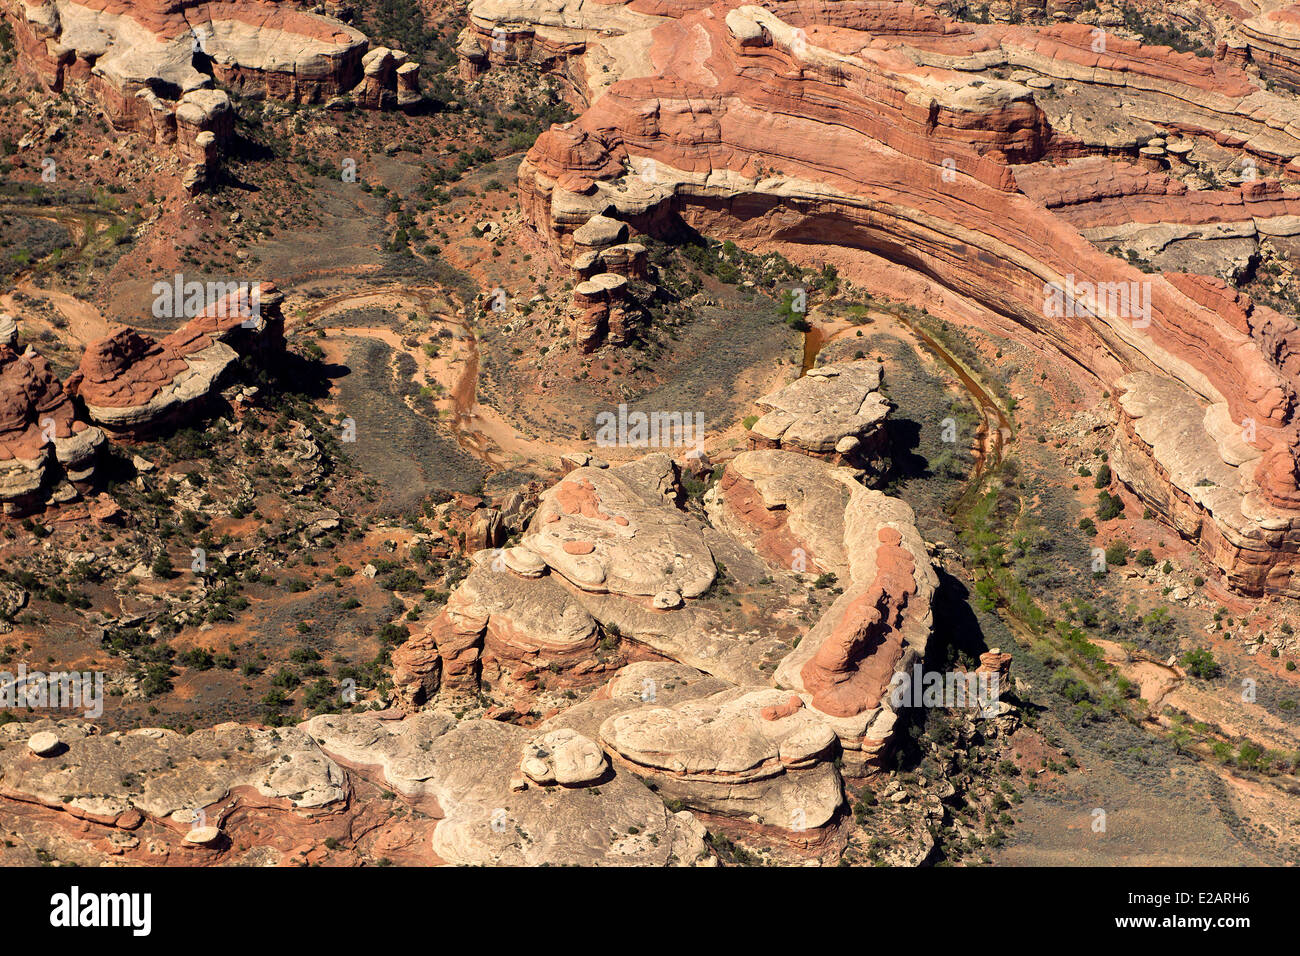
(1108, 506)
(198, 658)
(1200, 663)
(162, 566)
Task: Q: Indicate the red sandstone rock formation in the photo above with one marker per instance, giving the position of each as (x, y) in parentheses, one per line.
(626, 259)
(996, 665)
(152, 63)
(495, 621)
(1272, 41)
(39, 436)
(772, 536)
(1094, 191)
(854, 665)
(599, 310)
(132, 385)
(252, 46)
(860, 125)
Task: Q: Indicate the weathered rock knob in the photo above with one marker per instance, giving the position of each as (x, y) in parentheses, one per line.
(44, 744)
(203, 836)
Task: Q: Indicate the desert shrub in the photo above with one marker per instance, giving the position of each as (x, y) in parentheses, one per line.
(162, 566)
(1158, 621)
(198, 658)
(1200, 663)
(1108, 506)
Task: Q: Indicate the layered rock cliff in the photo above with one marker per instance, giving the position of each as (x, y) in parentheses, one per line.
(875, 126)
(163, 67)
(41, 441)
(127, 386)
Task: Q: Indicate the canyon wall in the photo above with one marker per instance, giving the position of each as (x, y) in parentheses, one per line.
(165, 67)
(875, 126)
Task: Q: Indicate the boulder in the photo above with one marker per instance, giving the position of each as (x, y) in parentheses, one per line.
(563, 757)
(721, 756)
(834, 412)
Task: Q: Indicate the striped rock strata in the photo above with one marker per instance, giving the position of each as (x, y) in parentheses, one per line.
(762, 733)
(876, 126)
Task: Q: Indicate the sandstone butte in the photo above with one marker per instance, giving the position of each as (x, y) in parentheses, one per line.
(39, 435)
(859, 125)
(734, 745)
(701, 716)
(130, 386)
(163, 67)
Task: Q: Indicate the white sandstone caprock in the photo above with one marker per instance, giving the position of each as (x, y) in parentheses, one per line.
(44, 743)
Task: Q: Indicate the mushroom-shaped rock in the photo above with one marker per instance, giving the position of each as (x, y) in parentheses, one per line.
(995, 667)
(599, 231)
(378, 82)
(565, 757)
(408, 84)
(8, 329)
(206, 145)
(602, 287)
(587, 264)
(377, 61)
